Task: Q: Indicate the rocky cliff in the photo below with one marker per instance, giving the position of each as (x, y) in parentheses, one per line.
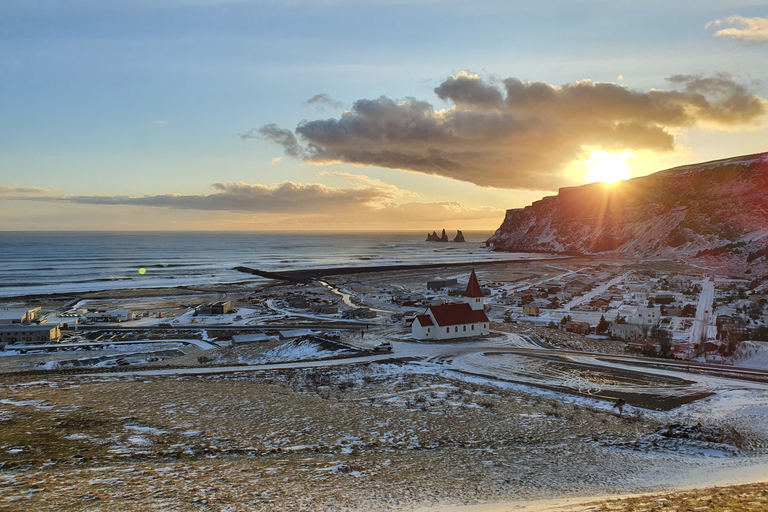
(715, 209)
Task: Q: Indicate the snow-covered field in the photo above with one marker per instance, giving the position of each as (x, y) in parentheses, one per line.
(447, 424)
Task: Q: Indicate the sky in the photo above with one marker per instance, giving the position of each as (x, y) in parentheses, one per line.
(349, 115)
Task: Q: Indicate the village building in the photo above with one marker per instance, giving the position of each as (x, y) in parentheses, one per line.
(625, 332)
(29, 333)
(680, 282)
(531, 310)
(450, 321)
(644, 346)
(117, 315)
(635, 278)
(646, 316)
(293, 333)
(664, 298)
(439, 284)
(249, 338)
(216, 308)
(10, 316)
(577, 327)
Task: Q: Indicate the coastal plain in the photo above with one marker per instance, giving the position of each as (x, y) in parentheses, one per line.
(489, 423)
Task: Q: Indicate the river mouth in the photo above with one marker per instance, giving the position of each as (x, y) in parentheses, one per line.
(601, 382)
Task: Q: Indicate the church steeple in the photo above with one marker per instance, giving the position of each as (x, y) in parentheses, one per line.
(474, 295)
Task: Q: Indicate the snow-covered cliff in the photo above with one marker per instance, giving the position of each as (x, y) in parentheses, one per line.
(715, 210)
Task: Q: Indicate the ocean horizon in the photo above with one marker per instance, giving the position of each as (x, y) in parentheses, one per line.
(38, 263)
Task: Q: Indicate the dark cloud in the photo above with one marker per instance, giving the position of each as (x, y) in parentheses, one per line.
(323, 100)
(521, 137)
(720, 99)
(465, 89)
(274, 133)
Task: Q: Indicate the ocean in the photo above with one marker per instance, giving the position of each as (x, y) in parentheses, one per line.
(70, 262)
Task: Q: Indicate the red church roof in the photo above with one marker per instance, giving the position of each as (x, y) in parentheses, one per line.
(424, 320)
(457, 314)
(473, 287)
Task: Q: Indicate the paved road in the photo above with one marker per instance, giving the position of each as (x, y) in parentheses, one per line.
(594, 292)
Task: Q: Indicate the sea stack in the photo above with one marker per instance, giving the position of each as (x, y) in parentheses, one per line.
(459, 236)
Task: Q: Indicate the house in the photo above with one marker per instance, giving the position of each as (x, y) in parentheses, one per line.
(625, 332)
(680, 282)
(325, 309)
(10, 316)
(117, 315)
(450, 321)
(664, 298)
(531, 310)
(577, 327)
(29, 333)
(359, 313)
(684, 351)
(646, 316)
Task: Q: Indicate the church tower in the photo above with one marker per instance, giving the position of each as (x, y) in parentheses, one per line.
(474, 296)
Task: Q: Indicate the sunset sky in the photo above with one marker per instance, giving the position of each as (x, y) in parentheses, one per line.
(352, 115)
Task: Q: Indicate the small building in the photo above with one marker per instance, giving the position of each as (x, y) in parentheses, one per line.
(439, 284)
(294, 333)
(117, 315)
(249, 338)
(9, 316)
(645, 345)
(359, 313)
(216, 308)
(451, 321)
(531, 310)
(325, 309)
(577, 327)
(664, 298)
(680, 282)
(646, 316)
(29, 333)
(625, 332)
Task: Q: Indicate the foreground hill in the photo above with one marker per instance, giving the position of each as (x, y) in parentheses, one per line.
(714, 210)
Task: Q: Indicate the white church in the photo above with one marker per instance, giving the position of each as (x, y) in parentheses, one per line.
(450, 321)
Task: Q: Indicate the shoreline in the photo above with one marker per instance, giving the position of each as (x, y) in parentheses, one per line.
(315, 273)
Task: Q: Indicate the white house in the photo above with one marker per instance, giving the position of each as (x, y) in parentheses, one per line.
(450, 321)
(646, 316)
(625, 332)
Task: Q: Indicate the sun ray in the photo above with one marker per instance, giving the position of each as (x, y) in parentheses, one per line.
(608, 167)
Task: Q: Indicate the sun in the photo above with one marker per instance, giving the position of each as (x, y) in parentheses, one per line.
(608, 167)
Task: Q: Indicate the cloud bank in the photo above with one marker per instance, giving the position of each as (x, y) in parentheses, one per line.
(745, 30)
(367, 200)
(520, 135)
